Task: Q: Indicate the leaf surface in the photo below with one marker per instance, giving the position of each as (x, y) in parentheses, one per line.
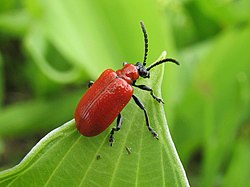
(66, 158)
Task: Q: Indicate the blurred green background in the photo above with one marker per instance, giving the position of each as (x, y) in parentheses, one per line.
(50, 49)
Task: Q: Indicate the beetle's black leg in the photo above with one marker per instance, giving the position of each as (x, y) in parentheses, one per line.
(117, 128)
(90, 83)
(140, 104)
(146, 88)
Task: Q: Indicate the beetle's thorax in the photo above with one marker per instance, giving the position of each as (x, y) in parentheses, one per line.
(129, 73)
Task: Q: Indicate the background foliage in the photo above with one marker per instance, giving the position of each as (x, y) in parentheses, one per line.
(50, 49)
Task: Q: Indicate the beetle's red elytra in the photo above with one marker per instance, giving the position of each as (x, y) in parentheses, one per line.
(110, 93)
(102, 103)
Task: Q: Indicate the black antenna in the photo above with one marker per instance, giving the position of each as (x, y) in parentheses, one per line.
(146, 42)
(162, 61)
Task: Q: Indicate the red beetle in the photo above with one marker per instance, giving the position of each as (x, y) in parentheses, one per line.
(111, 92)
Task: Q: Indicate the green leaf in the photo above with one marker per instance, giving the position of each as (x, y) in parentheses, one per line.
(31, 115)
(14, 22)
(237, 173)
(1, 81)
(66, 158)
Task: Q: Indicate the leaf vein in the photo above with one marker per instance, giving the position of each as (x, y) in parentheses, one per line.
(61, 161)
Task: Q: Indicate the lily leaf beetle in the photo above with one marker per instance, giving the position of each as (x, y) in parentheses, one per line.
(105, 98)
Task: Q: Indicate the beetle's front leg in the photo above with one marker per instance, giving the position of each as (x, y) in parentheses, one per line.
(117, 128)
(146, 88)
